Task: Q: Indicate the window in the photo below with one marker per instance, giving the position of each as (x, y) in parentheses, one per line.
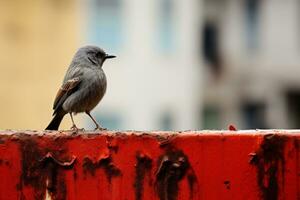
(104, 23)
(293, 106)
(211, 44)
(252, 22)
(254, 115)
(211, 118)
(166, 121)
(213, 14)
(166, 26)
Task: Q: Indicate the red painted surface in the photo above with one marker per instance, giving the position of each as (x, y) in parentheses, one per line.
(150, 166)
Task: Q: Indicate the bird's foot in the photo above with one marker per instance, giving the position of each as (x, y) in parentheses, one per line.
(100, 128)
(75, 129)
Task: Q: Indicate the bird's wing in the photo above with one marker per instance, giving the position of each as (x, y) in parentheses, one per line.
(65, 90)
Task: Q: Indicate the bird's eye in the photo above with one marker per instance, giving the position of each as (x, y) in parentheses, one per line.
(98, 55)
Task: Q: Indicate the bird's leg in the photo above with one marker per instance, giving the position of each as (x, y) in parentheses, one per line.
(74, 127)
(98, 126)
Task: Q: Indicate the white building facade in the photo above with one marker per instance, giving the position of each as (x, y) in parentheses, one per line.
(155, 81)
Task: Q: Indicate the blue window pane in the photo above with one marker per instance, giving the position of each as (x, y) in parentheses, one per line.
(252, 22)
(166, 28)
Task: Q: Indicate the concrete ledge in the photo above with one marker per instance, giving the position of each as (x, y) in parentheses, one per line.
(150, 165)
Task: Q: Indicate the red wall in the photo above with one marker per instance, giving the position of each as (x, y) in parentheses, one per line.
(143, 166)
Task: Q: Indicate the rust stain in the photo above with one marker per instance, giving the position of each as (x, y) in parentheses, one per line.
(297, 145)
(173, 166)
(227, 184)
(143, 166)
(192, 180)
(32, 173)
(40, 170)
(105, 163)
(4, 138)
(75, 174)
(269, 160)
(4, 162)
(165, 140)
(112, 144)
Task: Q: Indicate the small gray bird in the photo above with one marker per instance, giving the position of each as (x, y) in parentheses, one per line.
(83, 87)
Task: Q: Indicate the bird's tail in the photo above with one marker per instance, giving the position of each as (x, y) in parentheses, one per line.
(55, 122)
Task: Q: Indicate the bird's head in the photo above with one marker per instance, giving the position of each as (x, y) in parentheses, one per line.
(94, 55)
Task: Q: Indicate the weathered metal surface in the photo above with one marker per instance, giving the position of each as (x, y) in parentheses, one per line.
(150, 166)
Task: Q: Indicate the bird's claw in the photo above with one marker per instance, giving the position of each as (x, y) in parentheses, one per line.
(100, 128)
(75, 129)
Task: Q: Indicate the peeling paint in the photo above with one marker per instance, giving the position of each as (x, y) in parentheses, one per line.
(65, 164)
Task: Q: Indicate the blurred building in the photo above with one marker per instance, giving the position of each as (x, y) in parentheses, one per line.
(155, 81)
(181, 64)
(251, 49)
(201, 63)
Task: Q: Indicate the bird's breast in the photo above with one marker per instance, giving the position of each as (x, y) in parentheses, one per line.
(97, 88)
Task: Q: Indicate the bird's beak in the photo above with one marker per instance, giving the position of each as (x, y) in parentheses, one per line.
(109, 56)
